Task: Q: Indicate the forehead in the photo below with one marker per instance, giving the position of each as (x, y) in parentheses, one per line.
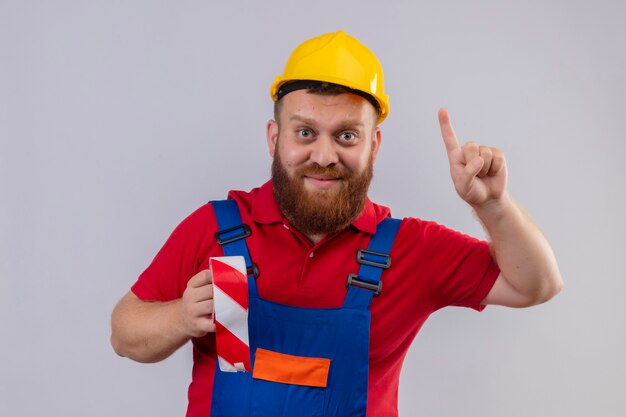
(326, 107)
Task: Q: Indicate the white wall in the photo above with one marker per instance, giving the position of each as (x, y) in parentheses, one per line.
(118, 118)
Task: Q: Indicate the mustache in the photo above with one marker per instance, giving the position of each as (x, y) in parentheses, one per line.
(331, 171)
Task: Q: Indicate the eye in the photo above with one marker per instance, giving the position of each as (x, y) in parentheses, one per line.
(347, 136)
(305, 133)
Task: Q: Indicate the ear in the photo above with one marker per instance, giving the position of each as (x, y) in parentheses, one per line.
(271, 135)
(377, 139)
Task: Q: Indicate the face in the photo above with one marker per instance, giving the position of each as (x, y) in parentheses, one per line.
(324, 147)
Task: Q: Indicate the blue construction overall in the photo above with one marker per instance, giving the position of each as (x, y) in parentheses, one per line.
(339, 337)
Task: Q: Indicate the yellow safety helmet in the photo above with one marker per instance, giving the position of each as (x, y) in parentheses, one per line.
(336, 58)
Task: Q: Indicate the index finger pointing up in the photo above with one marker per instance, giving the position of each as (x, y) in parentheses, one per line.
(447, 132)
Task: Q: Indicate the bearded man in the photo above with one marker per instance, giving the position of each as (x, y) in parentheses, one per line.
(326, 337)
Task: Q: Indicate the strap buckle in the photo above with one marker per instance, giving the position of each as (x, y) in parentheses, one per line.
(253, 270)
(353, 279)
(372, 258)
(227, 236)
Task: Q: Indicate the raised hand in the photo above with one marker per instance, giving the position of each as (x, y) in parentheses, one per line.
(478, 172)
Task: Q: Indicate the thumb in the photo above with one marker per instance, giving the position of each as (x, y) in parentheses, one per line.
(469, 173)
(475, 165)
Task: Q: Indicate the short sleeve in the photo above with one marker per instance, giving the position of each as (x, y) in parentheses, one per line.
(183, 255)
(460, 269)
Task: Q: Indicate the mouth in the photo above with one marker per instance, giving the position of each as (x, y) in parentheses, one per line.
(321, 182)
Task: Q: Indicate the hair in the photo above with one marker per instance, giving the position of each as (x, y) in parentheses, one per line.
(321, 88)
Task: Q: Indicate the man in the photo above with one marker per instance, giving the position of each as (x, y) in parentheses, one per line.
(317, 294)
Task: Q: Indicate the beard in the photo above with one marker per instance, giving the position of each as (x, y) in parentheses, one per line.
(315, 212)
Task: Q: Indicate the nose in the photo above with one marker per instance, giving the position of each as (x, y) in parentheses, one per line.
(323, 152)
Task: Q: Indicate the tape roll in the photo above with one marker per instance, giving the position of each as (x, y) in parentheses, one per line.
(230, 301)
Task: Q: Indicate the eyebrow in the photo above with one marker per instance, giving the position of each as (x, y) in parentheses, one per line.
(345, 124)
(297, 118)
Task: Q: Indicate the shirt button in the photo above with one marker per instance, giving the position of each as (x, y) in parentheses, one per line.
(311, 254)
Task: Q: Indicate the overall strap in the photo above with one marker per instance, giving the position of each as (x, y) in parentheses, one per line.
(373, 260)
(232, 233)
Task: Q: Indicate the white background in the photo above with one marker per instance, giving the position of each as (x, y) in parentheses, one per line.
(118, 118)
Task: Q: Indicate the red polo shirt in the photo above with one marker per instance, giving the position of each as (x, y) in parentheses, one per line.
(433, 267)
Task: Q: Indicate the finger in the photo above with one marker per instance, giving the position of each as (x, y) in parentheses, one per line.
(447, 131)
(201, 279)
(198, 295)
(193, 295)
(202, 309)
(463, 181)
(197, 317)
(472, 169)
(470, 151)
(487, 155)
(201, 326)
(206, 325)
(497, 162)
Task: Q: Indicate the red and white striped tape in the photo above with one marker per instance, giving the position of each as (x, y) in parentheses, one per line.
(230, 302)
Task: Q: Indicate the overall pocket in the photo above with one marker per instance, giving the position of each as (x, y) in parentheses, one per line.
(287, 385)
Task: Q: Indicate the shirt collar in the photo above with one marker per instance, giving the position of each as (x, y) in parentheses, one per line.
(265, 210)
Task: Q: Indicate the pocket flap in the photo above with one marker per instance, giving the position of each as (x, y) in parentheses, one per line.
(289, 369)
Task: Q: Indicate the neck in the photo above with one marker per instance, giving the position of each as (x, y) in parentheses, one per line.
(316, 238)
